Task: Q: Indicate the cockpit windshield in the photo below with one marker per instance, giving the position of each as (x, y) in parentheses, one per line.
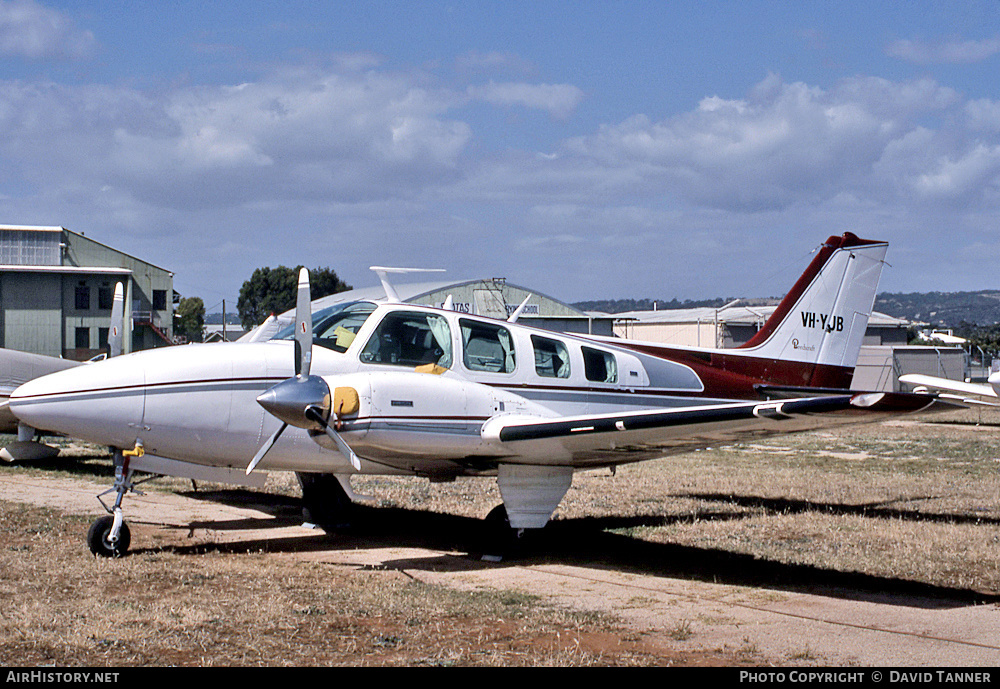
(335, 327)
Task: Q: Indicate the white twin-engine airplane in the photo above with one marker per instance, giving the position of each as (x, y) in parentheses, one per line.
(392, 388)
(985, 394)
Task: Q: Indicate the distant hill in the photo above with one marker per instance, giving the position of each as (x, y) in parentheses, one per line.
(940, 309)
(943, 309)
(623, 305)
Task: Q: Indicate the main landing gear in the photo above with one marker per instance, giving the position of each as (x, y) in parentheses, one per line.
(500, 540)
(109, 536)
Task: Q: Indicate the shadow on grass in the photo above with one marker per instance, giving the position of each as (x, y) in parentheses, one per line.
(871, 510)
(97, 466)
(586, 542)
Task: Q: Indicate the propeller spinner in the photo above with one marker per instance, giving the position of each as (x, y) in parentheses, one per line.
(304, 400)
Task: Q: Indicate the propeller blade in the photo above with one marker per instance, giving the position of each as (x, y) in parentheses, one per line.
(264, 448)
(303, 326)
(315, 414)
(117, 316)
(345, 449)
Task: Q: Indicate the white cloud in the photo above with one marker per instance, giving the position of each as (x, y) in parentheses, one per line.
(496, 61)
(559, 100)
(374, 166)
(346, 136)
(949, 51)
(30, 30)
(784, 144)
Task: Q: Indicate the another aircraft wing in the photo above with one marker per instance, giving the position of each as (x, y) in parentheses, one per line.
(17, 368)
(607, 439)
(966, 393)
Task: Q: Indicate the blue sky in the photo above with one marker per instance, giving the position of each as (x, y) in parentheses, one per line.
(585, 149)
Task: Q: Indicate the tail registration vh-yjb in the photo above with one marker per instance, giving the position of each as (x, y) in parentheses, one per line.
(383, 387)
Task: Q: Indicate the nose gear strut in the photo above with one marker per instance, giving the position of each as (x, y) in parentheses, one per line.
(109, 536)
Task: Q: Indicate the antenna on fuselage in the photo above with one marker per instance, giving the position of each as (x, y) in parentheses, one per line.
(517, 312)
(383, 276)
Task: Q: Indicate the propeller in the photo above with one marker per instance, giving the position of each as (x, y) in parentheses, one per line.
(304, 400)
(115, 329)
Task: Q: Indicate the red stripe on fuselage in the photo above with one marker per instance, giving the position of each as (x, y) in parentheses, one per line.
(734, 376)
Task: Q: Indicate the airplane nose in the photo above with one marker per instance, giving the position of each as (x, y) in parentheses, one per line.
(298, 401)
(100, 402)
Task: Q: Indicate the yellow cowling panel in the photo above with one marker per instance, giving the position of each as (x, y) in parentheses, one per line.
(345, 401)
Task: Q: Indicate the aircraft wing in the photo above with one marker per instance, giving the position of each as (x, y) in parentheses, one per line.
(17, 368)
(960, 391)
(600, 440)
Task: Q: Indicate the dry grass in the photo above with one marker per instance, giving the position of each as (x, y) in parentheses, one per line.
(164, 607)
(914, 500)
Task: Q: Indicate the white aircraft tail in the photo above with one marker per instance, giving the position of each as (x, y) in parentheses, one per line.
(823, 319)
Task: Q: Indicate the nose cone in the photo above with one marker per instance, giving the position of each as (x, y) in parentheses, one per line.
(290, 399)
(994, 381)
(100, 402)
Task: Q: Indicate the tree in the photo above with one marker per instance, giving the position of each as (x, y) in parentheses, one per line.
(190, 318)
(272, 290)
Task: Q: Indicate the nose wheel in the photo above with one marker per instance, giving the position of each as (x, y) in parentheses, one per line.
(101, 541)
(109, 536)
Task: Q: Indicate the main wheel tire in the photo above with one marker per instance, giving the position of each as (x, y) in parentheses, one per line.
(500, 539)
(97, 538)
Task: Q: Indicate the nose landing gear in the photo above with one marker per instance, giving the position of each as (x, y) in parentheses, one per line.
(109, 536)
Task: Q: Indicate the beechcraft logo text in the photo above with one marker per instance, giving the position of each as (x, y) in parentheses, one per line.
(830, 324)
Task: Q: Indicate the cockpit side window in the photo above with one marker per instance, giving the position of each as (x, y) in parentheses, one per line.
(551, 357)
(487, 347)
(599, 366)
(335, 327)
(406, 338)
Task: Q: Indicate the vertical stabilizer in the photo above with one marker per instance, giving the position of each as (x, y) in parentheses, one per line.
(823, 319)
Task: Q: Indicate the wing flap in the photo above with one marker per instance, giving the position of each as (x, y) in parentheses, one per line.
(598, 440)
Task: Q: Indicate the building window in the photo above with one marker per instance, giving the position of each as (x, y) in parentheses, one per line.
(105, 297)
(83, 338)
(82, 298)
(159, 300)
(102, 338)
(29, 247)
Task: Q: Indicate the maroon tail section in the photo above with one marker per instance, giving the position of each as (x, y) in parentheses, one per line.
(831, 245)
(738, 373)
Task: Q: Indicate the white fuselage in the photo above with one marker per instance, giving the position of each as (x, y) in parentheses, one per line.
(197, 403)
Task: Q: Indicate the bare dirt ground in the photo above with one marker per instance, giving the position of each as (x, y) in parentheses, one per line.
(879, 546)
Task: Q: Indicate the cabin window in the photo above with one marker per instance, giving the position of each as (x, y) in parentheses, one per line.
(487, 347)
(551, 357)
(335, 327)
(410, 339)
(599, 366)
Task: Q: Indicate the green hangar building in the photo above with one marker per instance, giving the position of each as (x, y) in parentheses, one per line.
(57, 289)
